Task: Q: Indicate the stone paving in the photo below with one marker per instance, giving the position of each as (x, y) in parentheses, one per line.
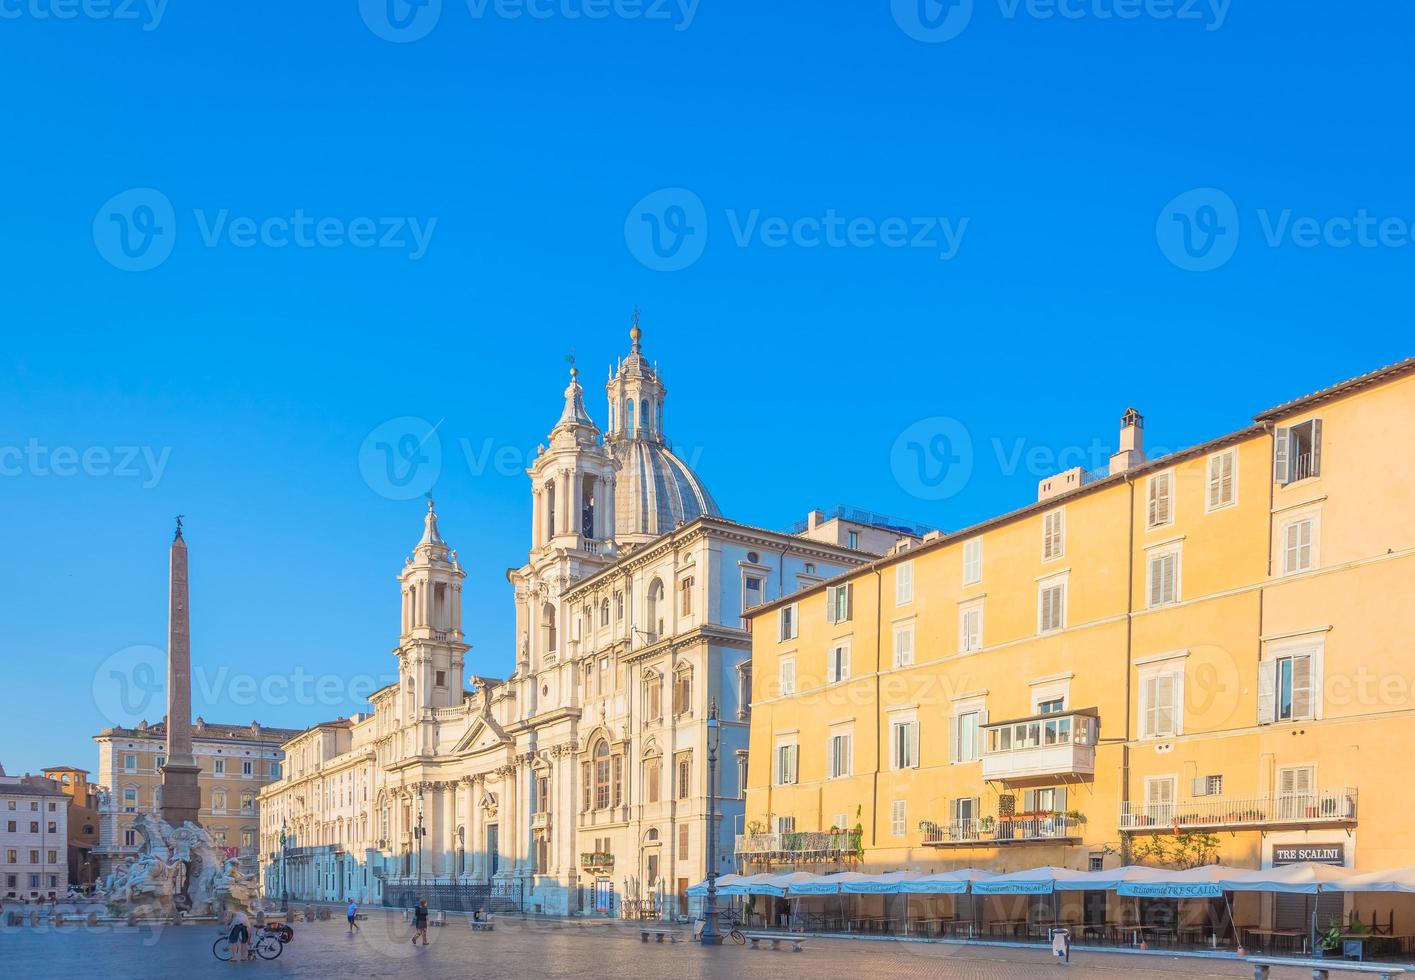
(550, 948)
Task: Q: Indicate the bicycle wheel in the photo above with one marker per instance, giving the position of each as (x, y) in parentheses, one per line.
(269, 947)
(737, 936)
(221, 949)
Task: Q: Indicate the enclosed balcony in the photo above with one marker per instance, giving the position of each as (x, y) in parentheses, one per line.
(797, 847)
(1335, 807)
(986, 831)
(1041, 746)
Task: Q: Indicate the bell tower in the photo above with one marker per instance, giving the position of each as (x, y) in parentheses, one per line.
(431, 652)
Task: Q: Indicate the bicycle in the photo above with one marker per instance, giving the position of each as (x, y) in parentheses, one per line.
(732, 921)
(268, 943)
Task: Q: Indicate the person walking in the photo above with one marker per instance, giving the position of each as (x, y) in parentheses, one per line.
(420, 922)
(353, 912)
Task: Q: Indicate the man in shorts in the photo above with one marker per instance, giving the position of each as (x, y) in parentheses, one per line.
(353, 912)
(420, 922)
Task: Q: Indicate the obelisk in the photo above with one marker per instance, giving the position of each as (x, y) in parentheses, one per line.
(181, 793)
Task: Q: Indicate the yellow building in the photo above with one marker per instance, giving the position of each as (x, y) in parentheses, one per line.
(1210, 651)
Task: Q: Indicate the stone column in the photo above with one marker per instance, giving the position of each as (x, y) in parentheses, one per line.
(449, 828)
(181, 793)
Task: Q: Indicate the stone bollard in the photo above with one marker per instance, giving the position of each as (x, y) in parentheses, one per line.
(92, 919)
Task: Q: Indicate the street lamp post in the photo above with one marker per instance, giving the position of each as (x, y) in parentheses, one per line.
(710, 936)
(418, 833)
(284, 881)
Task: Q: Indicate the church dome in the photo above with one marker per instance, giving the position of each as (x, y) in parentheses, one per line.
(655, 490)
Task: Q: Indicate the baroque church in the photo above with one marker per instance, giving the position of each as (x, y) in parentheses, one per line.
(578, 784)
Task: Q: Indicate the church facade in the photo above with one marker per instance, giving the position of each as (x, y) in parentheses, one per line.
(579, 783)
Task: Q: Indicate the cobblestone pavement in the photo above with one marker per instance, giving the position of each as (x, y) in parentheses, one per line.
(551, 948)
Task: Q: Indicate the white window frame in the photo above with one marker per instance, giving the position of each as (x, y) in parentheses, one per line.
(904, 734)
(962, 711)
(1161, 812)
(838, 671)
(833, 757)
(970, 642)
(838, 609)
(1159, 487)
(1293, 520)
(788, 623)
(904, 583)
(1270, 674)
(973, 561)
(1214, 481)
(903, 635)
(1159, 553)
(1284, 472)
(1151, 680)
(1054, 534)
(1043, 586)
(786, 676)
(784, 774)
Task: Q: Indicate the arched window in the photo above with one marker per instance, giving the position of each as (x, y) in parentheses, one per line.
(604, 613)
(547, 617)
(601, 776)
(550, 509)
(646, 415)
(629, 419)
(653, 779)
(655, 609)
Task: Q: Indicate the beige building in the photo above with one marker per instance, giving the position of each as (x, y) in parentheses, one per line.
(235, 760)
(579, 783)
(83, 821)
(34, 829)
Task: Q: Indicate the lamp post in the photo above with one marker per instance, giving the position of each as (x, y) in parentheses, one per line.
(710, 936)
(418, 833)
(284, 881)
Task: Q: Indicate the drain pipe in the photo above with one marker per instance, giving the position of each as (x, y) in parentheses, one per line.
(1125, 857)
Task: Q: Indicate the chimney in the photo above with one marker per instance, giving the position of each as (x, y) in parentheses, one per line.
(1132, 443)
(814, 520)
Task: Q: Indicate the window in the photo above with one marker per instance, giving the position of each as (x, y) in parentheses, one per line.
(903, 583)
(161, 761)
(619, 606)
(1294, 791)
(685, 775)
(246, 765)
(854, 540)
(970, 627)
(897, 819)
(965, 736)
(1297, 545)
(130, 762)
(52, 857)
(601, 776)
(1287, 688)
(1159, 799)
(685, 596)
(1297, 452)
(1222, 487)
(1049, 799)
(785, 825)
(1053, 534)
(603, 682)
(604, 613)
(1162, 577)
(786, 627)
(903, 644)
(130, 799)
(1207, 786)
(1051, 706)
(1095, 862)
(653, 778)
(972, 561)
(840, 822)
(839, 755)
(752, 586)
(838, 601)
(1160, 507)
(275, 770)
(904, 743)
(218, 766)
(52, 827)
(786, 676)
(653, 697)
(786, 759)
(130, 838)
(682, 691)
(963, 810)
(1051, 605)
(838, 663)
(218, 801)
(683, 830)
(810, 568)
(1160, 699)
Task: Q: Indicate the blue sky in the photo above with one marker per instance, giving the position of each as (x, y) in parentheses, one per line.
(872, 229)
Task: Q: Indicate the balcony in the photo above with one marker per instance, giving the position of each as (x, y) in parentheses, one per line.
(597, 859)
(1001, 831)
(1041, 746)
(540, 820)
(798, 847)
(1327, 808)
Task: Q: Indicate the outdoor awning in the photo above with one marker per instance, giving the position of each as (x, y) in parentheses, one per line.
(889, 883)
(779, 885)
(1392, 880)
(1033, 881)
(742, 886)
(1201, 882)
(1307, 878)
(1109, 880)
(947, 882)
(828, 884)
(700, 889)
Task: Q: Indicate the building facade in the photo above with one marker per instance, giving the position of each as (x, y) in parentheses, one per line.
(235, 762)
(83, 822)
(579, 783)
(1203, 656)
(34, 838)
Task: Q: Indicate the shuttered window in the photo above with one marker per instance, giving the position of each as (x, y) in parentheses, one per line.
(786, 623)
(1160, 510)
(787, 677)
(897, 818)
(970, 628)
(1053, 534)
(786, 764)
(1287, 688)
(838, 601)
(1160, 695)
(1297, 546)
(1051, 606)
(904, 743)
(903, 583)
(1163, 575)
(1222, 490)
(838, 663)
(1297, 451)
(972, 561)
(839, 755)
(964, 743)
(903, 644)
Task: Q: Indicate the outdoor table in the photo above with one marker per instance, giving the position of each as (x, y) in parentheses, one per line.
(934, 925)
(1001, 927)
(958, 927)
(1276, 934)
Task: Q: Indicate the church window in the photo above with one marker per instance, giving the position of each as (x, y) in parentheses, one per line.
(655, 609)
(653, 778)
(647, 421)
(550, 509)
(685, 774)
(653, 696)
(629, 419)
(601, 776)
(548, 624)
(619, 606)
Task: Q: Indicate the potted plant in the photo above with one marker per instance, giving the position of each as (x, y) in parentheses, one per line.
(1329, 942)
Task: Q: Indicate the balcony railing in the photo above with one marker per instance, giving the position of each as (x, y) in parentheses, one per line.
(798, 846)
(596, 859)
(1301, 809)
(1041, 745)
(991, 830)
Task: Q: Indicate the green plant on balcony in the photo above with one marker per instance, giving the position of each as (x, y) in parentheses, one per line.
(1075, 816)
(930, 828)
(756, 827)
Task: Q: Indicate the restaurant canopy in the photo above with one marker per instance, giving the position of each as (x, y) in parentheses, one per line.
(828, 884)
(1108, 880)
(1305, 878)
(1393, 880)
(1201, 882)
(779, 885)
(1033, 881)
(890, 883)
(742, 886)
(947, 882)
(700, 889)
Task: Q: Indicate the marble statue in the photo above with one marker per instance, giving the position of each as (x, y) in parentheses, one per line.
(176, 870)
